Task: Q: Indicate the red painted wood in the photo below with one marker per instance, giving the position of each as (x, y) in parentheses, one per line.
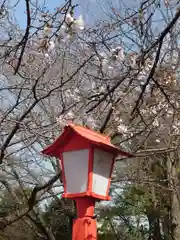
(84, 229)
(76, 137)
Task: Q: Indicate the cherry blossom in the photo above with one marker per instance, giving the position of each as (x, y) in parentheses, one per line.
(51, 46)
(79, 23)
(118, 54)
(70, 115)
(3, 12)
(156, 122)
(122, 128)
(69, 18)
(61, 121)
(50, 49)
(47, 30)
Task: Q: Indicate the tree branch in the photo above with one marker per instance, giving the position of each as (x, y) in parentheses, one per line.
(31, 202)
(26, 35)
(160, 42)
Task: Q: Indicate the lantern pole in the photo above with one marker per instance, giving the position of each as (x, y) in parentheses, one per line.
(74, 139)
(84, 226)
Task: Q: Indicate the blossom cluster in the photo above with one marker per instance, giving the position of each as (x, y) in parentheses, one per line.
(69, 27)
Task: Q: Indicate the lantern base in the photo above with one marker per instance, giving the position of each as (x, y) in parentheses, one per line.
(84, 229)
(85, 206)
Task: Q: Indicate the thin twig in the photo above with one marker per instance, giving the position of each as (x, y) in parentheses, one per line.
(25, 37)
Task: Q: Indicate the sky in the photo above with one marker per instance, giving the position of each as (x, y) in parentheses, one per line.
(92, 10)
(85, 6)
(20, 9)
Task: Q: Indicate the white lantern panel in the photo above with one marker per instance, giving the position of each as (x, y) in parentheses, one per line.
(76, 170)
(101, 171)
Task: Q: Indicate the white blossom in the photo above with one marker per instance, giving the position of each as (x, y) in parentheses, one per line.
(61, 121)
(93, 85)
(69, 18)
(63, 27)
(3, 12)
(132, 61)
(118, 53)
(105, 64)
(51, 46)
(142, 75)
(102, 89)
(155, 122)
(47, 30)
(121, 54)
(110, 67)
(70, 115)
(169, 113)
(79, 23)
(91, 122)
(103, 54)
(46, 55)
(122, 128)
(153, 110)
(117, 119)
(71, 95)
(166, 3)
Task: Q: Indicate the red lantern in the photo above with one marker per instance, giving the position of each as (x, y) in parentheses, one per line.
(87, 160)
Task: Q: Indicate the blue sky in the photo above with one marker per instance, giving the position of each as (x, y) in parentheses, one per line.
(20, 9)
(85, 6)
(92, 10)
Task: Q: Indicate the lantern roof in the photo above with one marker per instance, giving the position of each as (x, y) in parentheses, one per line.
(93, 137)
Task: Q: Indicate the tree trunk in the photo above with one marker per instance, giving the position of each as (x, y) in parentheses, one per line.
(154, 226)
(172, 165)
(153, 218)
(166, 226)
